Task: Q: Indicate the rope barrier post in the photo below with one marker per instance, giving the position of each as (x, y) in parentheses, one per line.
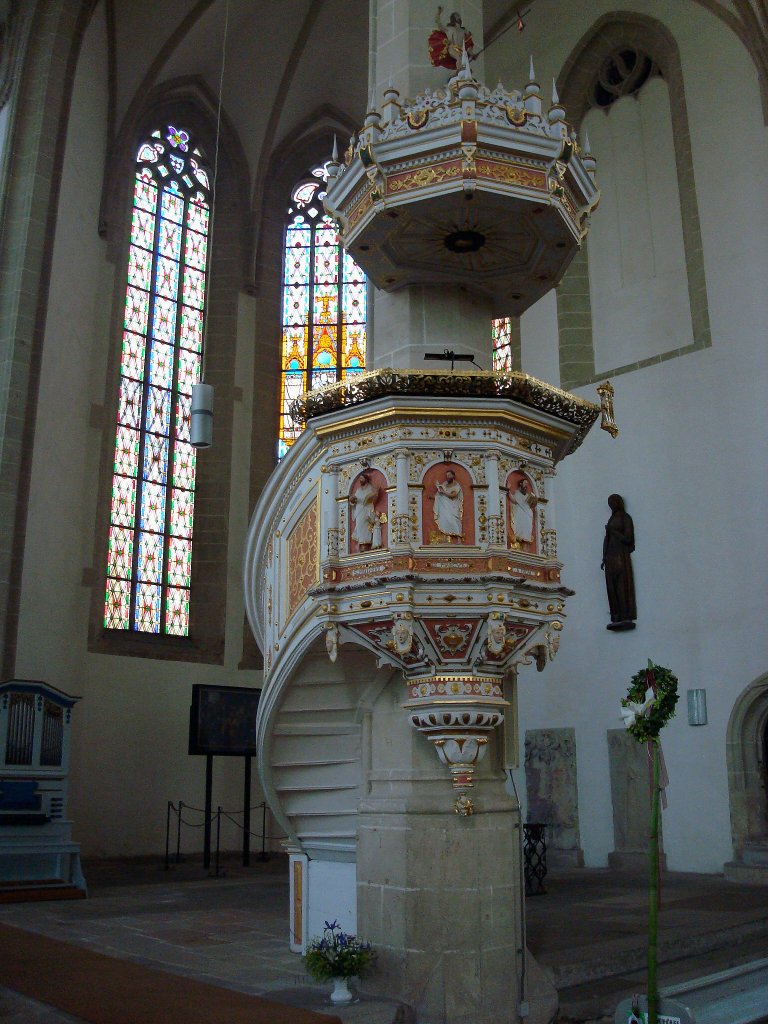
(168, 836)
(264, 855)
(178, 834)
(218, 838)
(247, 812)
(208, 814)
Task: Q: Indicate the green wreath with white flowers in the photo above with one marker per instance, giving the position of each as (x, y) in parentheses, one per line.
(644, 717)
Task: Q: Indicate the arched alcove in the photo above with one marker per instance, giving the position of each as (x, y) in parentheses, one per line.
(747, 759)
(655, 68)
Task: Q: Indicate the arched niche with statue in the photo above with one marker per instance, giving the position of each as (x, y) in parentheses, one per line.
(368, 512)
(522, 500)
(448, 508)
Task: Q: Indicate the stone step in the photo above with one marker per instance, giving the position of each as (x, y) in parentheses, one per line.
(631, 955)
(735, 996)
(755, 853)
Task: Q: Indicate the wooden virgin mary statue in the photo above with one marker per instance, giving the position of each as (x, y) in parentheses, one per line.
(618, 546)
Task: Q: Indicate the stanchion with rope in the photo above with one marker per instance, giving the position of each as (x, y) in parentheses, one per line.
(207, 825)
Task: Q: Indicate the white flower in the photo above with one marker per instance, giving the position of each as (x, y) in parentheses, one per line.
(631, 711)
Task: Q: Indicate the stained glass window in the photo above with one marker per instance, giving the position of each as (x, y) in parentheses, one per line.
(153, 484)
(324, 304)
(501, 338)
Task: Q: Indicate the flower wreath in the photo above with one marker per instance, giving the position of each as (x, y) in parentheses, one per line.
(650, 702)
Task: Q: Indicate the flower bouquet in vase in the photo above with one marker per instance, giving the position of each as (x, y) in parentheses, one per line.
(337, 957)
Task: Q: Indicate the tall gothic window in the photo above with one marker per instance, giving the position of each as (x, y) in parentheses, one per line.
(149, 563)
(324, 304)
(501, 341)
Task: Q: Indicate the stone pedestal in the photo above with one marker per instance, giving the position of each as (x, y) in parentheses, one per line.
(439, 897)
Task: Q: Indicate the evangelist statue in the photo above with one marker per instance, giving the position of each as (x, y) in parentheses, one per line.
(449, 506)
(618, 546)
(523, 502)
(367, 528)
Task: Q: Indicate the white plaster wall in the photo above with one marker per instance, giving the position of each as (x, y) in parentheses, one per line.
(637, 272)
(538, 326)
(688, 461)
(130, 731)
(332, 896)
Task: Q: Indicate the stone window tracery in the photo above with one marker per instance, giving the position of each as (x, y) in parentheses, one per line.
(623, 73)
(149, 560)
(324, 304)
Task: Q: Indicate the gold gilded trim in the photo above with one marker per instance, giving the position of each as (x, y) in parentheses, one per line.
(380, 416)
(477, 384)
(297, 901)
(512, 174)
(424, 176)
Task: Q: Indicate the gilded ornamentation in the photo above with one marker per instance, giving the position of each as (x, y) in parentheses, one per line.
(515, 115)
(401, 529)
(549, 543)
(512, 174)
(516, 386)
(303, 559)
(452, 639)
(358, 212)
(607, 421)
(482, 518)
(495, 529)
(424, 176)
(464, 806)
(417, 118)
(333, 541)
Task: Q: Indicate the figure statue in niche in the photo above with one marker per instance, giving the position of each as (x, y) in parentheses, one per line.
(522, 504)
(367, 528)
(449, 507)
(447, 42)
(618, 546)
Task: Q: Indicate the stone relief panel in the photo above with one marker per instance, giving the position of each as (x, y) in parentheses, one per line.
(630, 797)
(550, 778)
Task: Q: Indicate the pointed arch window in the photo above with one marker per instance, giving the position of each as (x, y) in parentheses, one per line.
(501, 341)
(324, 304)
(149, 563)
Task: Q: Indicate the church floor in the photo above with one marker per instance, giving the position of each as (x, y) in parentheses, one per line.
(588, 931)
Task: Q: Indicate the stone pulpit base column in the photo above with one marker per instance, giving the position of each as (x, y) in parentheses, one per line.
(438, 894)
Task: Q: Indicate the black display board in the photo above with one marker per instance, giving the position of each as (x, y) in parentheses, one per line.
(222, 720)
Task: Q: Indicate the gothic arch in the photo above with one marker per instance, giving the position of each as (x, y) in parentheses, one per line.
(189, 104)
(309, 143)
(190, 99)
(745, 753)
(606, 35)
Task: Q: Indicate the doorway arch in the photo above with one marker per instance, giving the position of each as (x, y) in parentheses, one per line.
(747, 760)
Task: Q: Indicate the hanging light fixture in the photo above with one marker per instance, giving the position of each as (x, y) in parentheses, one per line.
(201, 413)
